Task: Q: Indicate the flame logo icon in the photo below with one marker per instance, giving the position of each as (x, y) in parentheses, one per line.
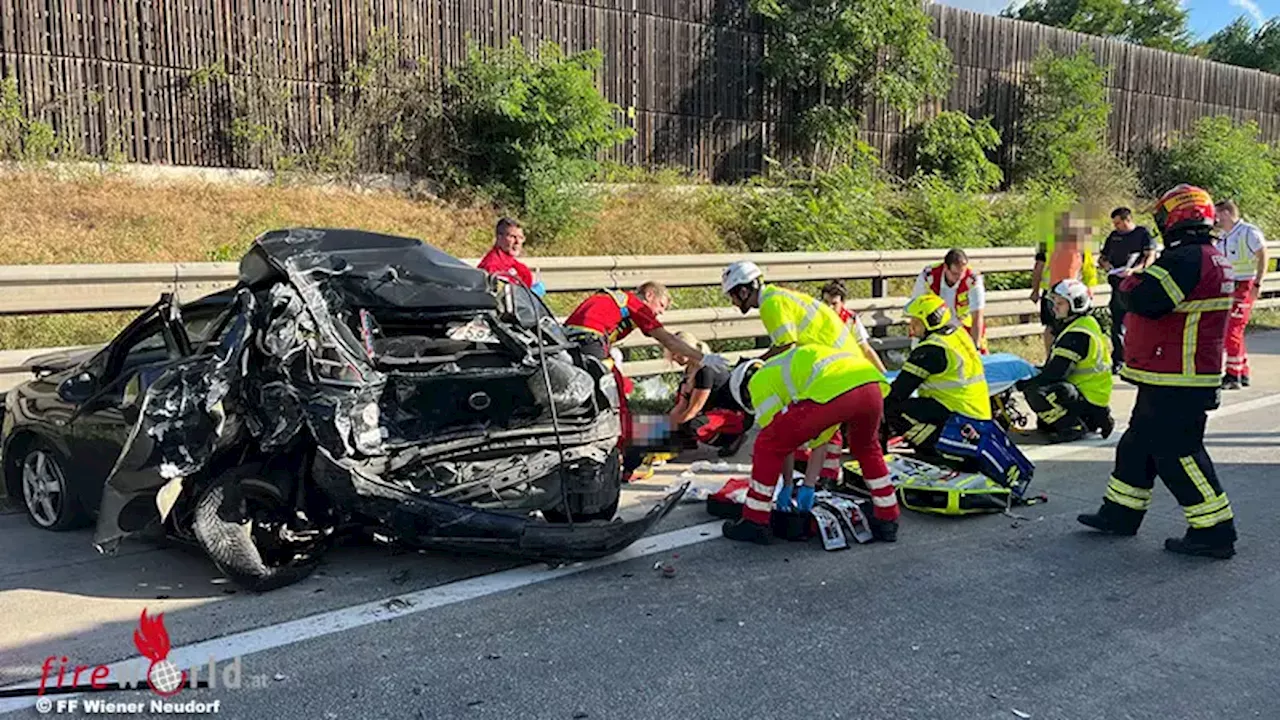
(152, 640)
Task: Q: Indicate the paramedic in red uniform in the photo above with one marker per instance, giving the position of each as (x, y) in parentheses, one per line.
(608, 316)
(1246, 249)
(1175, 326)
(503, 258)
(962, 289)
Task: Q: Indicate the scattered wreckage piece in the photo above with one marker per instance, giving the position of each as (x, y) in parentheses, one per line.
(349, 380)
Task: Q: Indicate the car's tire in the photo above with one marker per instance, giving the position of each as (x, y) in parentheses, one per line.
(223, 524)
(47, 496)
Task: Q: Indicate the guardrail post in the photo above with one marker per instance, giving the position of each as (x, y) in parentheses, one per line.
(879, 289)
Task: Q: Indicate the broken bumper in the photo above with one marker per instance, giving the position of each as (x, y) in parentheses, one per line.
(442, 525)
(433, 523)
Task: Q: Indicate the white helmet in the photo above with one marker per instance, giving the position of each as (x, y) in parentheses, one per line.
(1076, 294)
(742, 272)
(738, 380)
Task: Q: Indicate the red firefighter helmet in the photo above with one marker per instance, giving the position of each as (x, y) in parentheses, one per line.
(1184, 206)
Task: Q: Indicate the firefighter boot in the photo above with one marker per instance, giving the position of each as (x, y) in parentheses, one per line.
(1112, 519)
(1218, 542)
(1106, 426)
(883, 530)
(746, 531)
(1066, 430)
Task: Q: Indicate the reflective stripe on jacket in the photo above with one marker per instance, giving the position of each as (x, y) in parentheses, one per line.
(962, 387)
(1090, 374)
(1183, 348)
(792, 317)
(809, 372)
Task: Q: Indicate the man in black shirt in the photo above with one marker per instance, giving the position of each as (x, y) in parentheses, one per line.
(705, 410)
(1128, 248)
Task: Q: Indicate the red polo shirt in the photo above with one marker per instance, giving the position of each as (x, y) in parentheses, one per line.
(601, 313)
(500, 262)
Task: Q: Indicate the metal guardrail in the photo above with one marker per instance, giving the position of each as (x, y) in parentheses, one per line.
(49, 289)
(39, 289)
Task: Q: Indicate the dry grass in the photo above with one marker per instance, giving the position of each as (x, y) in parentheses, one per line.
(115, 220)
(95, 219)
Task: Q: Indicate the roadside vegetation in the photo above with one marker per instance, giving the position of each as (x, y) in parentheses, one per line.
(521, 131)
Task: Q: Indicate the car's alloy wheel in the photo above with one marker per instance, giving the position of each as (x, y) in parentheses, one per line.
(44, 488)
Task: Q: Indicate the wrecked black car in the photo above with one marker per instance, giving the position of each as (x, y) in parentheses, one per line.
(349, 380)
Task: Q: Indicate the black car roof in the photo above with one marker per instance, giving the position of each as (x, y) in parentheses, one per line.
(371, 269)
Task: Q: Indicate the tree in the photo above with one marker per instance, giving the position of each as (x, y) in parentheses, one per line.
(1064, 118)
(1225, 158)
(1158, 24)
(849, 52)
(1239, 44)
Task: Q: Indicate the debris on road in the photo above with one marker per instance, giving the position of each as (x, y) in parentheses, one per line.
(353, 379)
(1021, 714)
(722, 467)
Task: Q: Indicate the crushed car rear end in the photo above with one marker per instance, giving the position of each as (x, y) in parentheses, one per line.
(442, 406)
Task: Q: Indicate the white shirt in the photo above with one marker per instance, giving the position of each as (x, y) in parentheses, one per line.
(977, 293)
(860, 330)
(1248, 236)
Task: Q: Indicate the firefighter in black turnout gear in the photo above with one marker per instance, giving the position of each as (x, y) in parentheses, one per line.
(1071, 395)
(1175, 329)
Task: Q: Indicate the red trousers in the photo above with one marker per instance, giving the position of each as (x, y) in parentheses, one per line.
(728, 422)
(859, 411)
(1241, 309)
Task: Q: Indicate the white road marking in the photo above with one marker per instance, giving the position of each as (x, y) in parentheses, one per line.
(1040, 453)
(326, 623)
(334, 621)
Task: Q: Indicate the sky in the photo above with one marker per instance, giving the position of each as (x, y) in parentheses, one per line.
(1207, 16)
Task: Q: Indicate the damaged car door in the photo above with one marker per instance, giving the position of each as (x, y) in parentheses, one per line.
(157, 351)
(99, 426)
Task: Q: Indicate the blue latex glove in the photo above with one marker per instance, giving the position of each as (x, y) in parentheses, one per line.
(805, 497)
(783, 502)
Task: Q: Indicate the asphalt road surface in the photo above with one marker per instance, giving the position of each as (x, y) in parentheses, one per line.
(979, 617)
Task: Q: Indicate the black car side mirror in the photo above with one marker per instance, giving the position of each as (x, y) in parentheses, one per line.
(78, 388)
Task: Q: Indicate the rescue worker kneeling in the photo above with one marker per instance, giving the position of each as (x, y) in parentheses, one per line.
(804, 395)
(1072, 394)
(944, 370)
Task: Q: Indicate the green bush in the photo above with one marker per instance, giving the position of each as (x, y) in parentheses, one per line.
(840, 209)
(954, 147)
(529, 126)
(23, 137)
(1225, 158)
(934, 214)
(1064, 119)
